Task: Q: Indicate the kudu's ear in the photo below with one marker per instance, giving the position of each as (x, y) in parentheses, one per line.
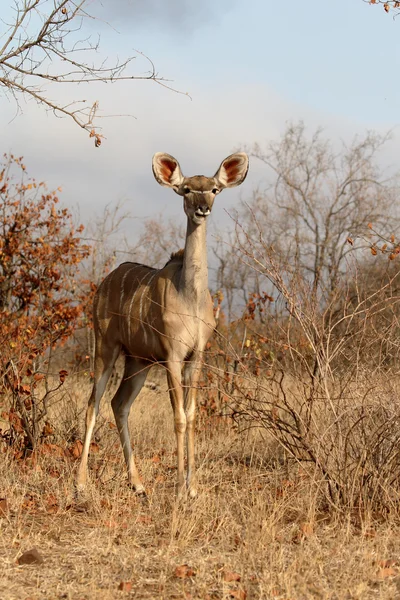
(233, 170)
(166, 170)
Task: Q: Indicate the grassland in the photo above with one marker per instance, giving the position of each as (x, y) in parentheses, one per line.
(257, 529)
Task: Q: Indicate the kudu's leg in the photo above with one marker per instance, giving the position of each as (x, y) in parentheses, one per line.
(132, 382)
(191, 379)
(174, 376)
(104, 361)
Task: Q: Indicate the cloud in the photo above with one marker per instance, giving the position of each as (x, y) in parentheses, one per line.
(184, 16)
(199, 133)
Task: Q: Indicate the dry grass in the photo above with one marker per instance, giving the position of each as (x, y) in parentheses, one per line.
(255, 517)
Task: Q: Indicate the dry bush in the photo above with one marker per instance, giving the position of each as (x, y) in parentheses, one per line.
(312, 360)
(317, 373)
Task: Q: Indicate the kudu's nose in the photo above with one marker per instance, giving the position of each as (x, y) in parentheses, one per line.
(203, 210)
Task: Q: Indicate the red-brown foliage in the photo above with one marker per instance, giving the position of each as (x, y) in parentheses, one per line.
(41, 303)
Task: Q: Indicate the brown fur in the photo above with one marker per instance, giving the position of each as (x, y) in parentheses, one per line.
(176, 256)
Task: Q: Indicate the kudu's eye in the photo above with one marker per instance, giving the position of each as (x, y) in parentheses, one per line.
(186, 190)
(215, 191)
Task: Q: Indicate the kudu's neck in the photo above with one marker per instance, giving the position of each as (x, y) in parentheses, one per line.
(194, 277)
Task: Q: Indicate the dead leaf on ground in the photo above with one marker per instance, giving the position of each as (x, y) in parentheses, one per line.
(52, 504)
(106, 503)
(390, 562)
(29, 504)
(229, 576)
(51, 450)
(239, 594)
(113, 524)
(387, 572)
(47, 429)
(307, 529)
(370, 532)
(3, 507)
(54, 473)
(304, 531)
(184, 571)
(94, 448)
(75, 449)
(125, 586)
(146, 519)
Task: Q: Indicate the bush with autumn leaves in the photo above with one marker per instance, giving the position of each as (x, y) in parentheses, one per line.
(43, 299)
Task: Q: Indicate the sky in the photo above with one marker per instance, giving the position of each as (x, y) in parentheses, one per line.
(249, 67)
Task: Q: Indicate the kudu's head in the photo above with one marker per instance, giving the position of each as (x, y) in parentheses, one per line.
(199, 192)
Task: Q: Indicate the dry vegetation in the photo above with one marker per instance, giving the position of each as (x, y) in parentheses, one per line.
(298, 432)
(258, 528)
(299, 428)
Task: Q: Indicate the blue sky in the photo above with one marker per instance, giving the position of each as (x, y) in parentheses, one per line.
(250, 67)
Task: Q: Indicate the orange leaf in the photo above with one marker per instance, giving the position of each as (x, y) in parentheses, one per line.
(51, 449)
(306, 529)
(229, 576)
(94, 448)
(125, 586)
(144, 519)
(25, 389)
(47, 430)
(76, 449)
(387, 572)
(3, 507)
(111, 524)
(63, 374)
(184, 571)
(390, 562)
(239, 594)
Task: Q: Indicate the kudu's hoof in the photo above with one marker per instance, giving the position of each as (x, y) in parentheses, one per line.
(140, 494)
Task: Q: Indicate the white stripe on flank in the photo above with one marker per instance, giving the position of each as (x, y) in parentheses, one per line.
(121, 301)
(131, 303)
(108, 294)
(145, 289)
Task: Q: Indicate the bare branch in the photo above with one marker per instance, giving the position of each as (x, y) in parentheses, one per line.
(42, 48)
(320, 198)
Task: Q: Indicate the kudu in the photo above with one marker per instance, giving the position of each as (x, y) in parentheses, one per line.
(160, 316)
